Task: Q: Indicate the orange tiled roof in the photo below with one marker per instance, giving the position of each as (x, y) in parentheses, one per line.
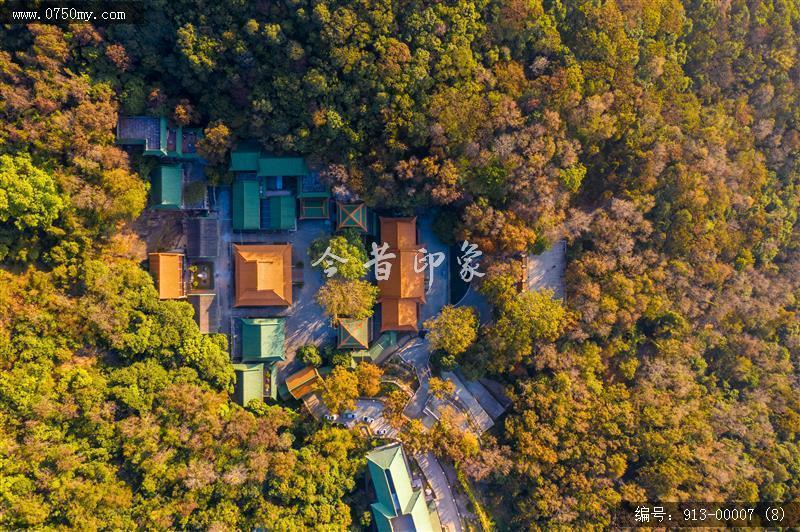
(167, 270)
(263, 275)
(303, 382)
(403, 281)
(405, 288)
(399, 315)
(399, 233)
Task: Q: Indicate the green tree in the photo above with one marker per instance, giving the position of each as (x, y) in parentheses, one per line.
(29, 206)
(348, 247)
(309, 355)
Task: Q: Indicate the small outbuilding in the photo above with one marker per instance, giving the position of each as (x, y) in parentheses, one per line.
(168, 272)
(263, 339)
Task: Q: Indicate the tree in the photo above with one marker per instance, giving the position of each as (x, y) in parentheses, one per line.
(393, 405)
(453, 330)
(216, 142)
(29, 206)
(440, 388)
(309, 355)
(347, 247)
(341, 298)
(369, 379)
(341, 390)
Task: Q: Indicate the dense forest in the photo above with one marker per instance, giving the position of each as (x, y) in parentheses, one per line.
(659, 137)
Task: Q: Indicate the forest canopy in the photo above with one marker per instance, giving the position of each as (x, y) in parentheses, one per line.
(660, 138)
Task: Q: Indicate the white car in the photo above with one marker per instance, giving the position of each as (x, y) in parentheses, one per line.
(382, 432)
(368, 419)
(349, 415)
(331, 417)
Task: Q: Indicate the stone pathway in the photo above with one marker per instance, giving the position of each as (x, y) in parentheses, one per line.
(445, 502)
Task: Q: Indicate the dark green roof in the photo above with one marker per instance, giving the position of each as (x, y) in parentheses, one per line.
(387, 339)
(314, 208)
(351, 215)
(263, 339)
(249, 383)
(282, 213)
(398, 503)
(354, 333)
(244, 157)
(246, 205)
(167, 187)
(282, 166)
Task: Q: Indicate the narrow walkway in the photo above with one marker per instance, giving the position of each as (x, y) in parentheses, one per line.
(445, 502)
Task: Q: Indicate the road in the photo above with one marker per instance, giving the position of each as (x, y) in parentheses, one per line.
(223, 270)
(416, 353)
(438, 294)
(445, 502)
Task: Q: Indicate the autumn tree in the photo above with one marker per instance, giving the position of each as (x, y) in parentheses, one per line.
(341, 390)
(393, 405)
(216, 142)
(453, 330)
(440, 388)
(369, 379)
(341, 298)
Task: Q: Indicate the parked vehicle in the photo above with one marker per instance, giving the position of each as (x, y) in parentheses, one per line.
(349, 415)
(368, 419)
(331, 417)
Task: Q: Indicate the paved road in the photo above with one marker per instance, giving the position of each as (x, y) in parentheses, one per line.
(365, 408)
(223, 269)
(439, 293)
(475, 300)
(445, 502)
(416, 354)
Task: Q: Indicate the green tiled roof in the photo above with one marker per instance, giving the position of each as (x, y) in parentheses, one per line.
(246, 205)
(167, 187)
(387, 339)
(244, 158)
(354, 333)
(398, 505)
(314, 208)
(282, 212)
(249, 383)
(263, 339)
(351, 215)
(273, 382)
(282, 166)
